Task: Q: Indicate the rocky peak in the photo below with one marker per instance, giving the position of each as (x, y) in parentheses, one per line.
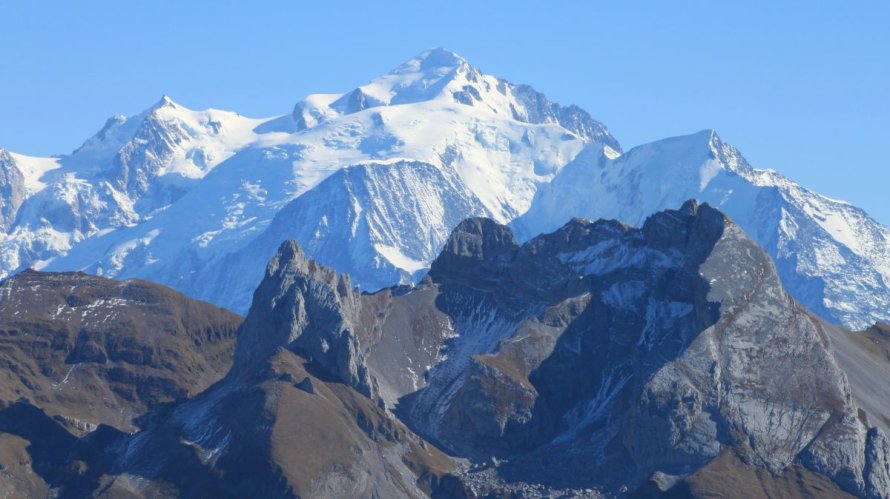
(475, 244)
(577, 234)
(309, 309)
(291, 260)
(882, 328)
(692, 225)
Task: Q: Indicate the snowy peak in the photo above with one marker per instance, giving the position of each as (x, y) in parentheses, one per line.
(406, 84)
(130, 169)
(436, 60)
(703, 146)
(467, 144)
(165, 101)
(421, 78)
(120, 129)
(167, 138)
(695, 148)
(446, 79)
(730, 157)
(693, 161)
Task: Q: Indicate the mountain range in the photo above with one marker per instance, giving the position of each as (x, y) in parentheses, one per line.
(597, 360)
(372, 181)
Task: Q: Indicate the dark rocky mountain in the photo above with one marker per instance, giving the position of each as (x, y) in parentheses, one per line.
(605, 357)
(599, 360)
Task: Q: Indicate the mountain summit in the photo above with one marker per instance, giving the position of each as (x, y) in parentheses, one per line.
(426, 76)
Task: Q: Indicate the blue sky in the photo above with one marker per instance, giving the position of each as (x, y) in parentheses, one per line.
(801, 87)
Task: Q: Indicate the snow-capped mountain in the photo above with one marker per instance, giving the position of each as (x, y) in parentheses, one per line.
(118, 178)
(181, 192)
(371, 182)
(831, 256)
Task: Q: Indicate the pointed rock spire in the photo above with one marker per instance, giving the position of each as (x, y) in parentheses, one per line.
(307, 308)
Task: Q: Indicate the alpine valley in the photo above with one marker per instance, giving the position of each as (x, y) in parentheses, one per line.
(452, 287)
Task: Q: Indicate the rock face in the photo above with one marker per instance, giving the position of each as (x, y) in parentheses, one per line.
(644, 354)
(598, 360)
(12, 190)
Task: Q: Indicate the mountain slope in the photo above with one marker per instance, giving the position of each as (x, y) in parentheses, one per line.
(95, 351)
(830, 255)
(80, 355)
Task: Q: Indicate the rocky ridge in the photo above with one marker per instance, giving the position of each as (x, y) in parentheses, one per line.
(598, 360)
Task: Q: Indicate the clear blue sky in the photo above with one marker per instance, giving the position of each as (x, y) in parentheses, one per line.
(801, 87)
